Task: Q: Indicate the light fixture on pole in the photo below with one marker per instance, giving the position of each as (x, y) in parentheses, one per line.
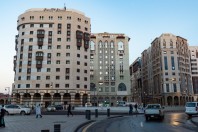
(8, 88)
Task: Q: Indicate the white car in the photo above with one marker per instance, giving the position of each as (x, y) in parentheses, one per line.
(154, 111)
(191, 108)
(17, 109)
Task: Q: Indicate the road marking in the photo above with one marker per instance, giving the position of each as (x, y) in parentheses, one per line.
(85, 129)
(141, 124)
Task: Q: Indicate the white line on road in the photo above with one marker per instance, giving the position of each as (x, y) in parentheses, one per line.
(141, 124)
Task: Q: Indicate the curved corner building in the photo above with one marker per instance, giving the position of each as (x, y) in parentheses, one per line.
(52, 58)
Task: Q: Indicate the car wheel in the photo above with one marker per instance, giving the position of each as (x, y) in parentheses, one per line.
(22, 113)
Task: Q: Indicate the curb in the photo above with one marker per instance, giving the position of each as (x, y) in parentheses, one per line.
(83, 124)
(194, 122)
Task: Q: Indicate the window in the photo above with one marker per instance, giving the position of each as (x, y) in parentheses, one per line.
(57, 77)
(172, 63)
(59, 32)
(165, 63)
(57, 85)
(85, 56)
(19, 78)
(85, 86)
(67, 54)
(78, 55)
(59, 25)
(66, 85)
(37, 85)
(85, 64)
(47, 77)
(59, 39)
(58, 54)
(31, 25)
(66, 77)
(174, 87)
(50, 33)
(39, 69)
(47, 85)
(78, 62)
(28, 78)
(57, 69)
(67, 70)
(58, 62)
(27, 85)
(38, 78)
(50, 25)
(48, 62)
(167, 88)
(77, 85)
(77, 78)
(67, 61)
(41, 25)
(67, 46)
(30, 39)
(78, 70)
(85, 78)
(48, 55)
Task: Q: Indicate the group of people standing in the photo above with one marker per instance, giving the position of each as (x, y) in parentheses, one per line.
(131, 109)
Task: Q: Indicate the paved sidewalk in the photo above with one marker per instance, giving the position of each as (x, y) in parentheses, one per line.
(28, 123)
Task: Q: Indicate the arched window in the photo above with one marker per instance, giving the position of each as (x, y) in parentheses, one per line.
(100, 44)
(121, 87)
(106, 44)
(120, 46)
(92, 45)
(112, 44)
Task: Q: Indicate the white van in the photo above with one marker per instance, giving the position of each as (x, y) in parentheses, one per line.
(191, 108)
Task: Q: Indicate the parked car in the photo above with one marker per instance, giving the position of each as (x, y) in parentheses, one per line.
(51, 108)
(17, 109)
(191, 108)
(154, 111)
(59, 107)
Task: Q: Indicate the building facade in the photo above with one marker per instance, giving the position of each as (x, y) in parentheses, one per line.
(194, 69)
(109, 68)
(136, 80)
(171, 82)
(52, 58)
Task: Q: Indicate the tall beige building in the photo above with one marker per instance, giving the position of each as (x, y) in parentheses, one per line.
(52, 57)
(109, 68)
(194, 69)
(166, 71)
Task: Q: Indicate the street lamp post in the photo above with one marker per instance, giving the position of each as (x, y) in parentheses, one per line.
(8, 88)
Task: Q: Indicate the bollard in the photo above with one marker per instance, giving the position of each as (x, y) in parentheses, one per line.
(44, 130)
(108, 112)
(88, 114)
(96, 113)
(57, 128)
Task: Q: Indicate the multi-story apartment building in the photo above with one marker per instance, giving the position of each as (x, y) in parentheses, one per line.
(194, 69)
(109, 68)
(171, 74)
(136, 81)
(52, 57)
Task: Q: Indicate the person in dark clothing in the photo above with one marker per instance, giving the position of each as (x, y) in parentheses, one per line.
(130, 109)
(136, 108)
(69, 110)
(2, 122)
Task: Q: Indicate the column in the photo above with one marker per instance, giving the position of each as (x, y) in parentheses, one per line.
(42, 99)
(21, 98)
(81, 99)
(72, 98)
(62, 98)
(31, 101)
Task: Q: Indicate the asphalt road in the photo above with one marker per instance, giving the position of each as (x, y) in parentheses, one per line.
(173, 122)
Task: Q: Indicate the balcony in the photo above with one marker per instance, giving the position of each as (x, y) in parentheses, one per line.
(40, 35)
(40, 43)
(38, 65)
(39, 57)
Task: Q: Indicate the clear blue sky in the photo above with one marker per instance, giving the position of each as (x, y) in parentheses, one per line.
(141, 20)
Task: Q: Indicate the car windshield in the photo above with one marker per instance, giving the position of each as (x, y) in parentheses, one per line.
(153, 107)
(190, 104)
(23, 106)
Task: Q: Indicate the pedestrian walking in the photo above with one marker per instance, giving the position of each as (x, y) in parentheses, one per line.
(130, 109)
(2, 121)
(69, 110)
(38, 111)
(136, 106)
